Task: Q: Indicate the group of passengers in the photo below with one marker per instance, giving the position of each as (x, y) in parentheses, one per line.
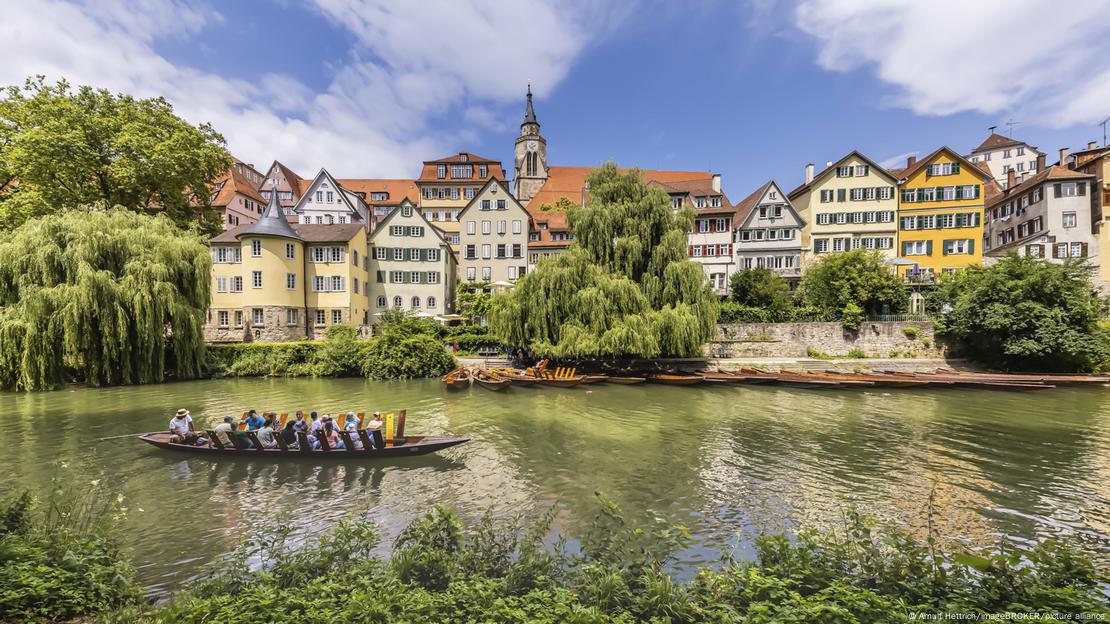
(267, 428)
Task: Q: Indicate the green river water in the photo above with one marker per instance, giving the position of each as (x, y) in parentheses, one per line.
(725, 461)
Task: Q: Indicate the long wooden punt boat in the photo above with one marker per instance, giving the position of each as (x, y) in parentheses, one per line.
(561, 382)
(1059, 379)
(625, 381)
(458, 379)
(671, 379)
(409, 446)
(589, 379)
(491, 381)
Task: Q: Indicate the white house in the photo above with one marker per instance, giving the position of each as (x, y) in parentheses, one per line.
(767, 232)
(1047, 216)
(1005, 154)
(412, 266)
(325, 202)
(493, 236)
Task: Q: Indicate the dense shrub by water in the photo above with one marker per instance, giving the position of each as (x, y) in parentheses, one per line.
(507, 571)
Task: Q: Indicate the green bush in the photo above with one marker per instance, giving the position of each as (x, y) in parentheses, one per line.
(857, 354)
(395, 357)
(61, 559)
(732, 312)
(910, 332)
(852, 317)
(819, 355)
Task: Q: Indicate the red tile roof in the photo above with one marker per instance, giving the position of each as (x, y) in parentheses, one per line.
(1053, 172)
(430, 171)
(746, 205)
(396, 189)
(570, 181)
(995, 141)
(235, 182)
(556, 221)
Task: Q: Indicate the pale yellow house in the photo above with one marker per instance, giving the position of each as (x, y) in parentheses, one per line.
(851, 204)
(273, 281)
(414, 268)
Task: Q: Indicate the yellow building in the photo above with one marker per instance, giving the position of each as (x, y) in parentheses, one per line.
(273, 281)
(446, 187)
(940, 214)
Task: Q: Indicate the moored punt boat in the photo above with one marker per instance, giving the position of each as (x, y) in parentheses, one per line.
(589, 379)
(672, 379)
(561, 382)
(491, 381)
(409, 446)
(625, 381)
(457, 379)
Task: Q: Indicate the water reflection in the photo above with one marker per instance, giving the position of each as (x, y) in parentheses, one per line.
(726, 461)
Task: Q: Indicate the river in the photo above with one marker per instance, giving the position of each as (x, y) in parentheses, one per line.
(725, 461)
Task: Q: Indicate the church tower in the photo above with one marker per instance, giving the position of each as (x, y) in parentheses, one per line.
(530, 163)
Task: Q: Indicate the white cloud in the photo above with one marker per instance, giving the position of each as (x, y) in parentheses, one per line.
(1045, 61)
(411, 63)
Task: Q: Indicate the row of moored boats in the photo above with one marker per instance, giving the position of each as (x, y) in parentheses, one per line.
(565, 377)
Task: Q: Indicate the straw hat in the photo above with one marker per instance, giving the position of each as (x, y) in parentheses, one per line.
(182, 412)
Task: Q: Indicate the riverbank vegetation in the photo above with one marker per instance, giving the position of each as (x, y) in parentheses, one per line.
(1026, 314)
(625, 288)
(62, 149)
(101, 297)
(407, 348)
(511, 571)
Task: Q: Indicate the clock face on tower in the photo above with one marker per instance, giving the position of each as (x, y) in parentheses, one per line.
(531, 145)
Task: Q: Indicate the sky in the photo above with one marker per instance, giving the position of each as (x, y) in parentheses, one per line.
(750, 89)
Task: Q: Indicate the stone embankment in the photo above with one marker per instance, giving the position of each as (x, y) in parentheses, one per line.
(874, 340)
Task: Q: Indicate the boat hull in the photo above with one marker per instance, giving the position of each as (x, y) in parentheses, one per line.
(420, 445)
(675, 380)
(626, 381)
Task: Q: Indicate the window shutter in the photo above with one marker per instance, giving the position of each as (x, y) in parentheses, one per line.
(1081, 188)
(841, 194)
(1040, 250)
(381, 277)
(423, 255)
(920, 195)
(955, 167)
(971, 246)
(1056, 192)
(944, 248)
(905, 248)
(959, 192)
(928, 248)
(1055, 248)
(1083, 250)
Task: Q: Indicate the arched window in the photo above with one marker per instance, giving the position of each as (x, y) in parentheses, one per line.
(530, 164)
(431, 302)
(415, 302)
(381, 301)
(397, 301)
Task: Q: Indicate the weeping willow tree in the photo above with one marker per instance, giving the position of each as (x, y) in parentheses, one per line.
(624, 289)
(102, 297)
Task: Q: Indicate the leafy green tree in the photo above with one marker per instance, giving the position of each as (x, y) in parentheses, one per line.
(851, 284)
(408, 348)
(103, 297)
(563, 204)
(60, 149)
(626, 288)
(760, 287)
(1024, 313)
(474, 301)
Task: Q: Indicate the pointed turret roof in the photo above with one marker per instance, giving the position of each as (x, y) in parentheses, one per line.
(529, 112)
(273, 221)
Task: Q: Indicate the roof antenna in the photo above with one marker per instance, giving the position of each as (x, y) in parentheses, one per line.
(1010, 126)
(1103, 124)
(992, 129)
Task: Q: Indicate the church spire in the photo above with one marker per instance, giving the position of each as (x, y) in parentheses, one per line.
(529, 112)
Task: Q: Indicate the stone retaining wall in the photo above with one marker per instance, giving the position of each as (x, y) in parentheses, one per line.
(876, 339)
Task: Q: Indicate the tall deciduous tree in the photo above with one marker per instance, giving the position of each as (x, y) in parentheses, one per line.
(852, 282)
(1024, 313)
(760, 287)
(103, 297)
(61, 149)
(625, 288)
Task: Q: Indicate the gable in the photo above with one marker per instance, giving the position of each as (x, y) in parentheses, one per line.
(969, 171)
(772, 195)
(324, 183)
(414, 218)
(493, 191)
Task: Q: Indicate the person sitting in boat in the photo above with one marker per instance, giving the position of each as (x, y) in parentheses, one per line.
(316, 426)
(226, 427)
(289, 433)
(300, 424)
(265, 433)
(352, 422)
(375, 424)
(253, 421)
(181, 429)
(331, 432)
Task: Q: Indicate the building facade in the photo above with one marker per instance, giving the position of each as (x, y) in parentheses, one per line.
(1004, 154)
(414, 267)
(550, 236)
(236, 196)
(767, 232)
(382, 196)
(326, 202)
(493, 236)
(940, 214)
(848, 205)
(289, 185)
(447, 185)
(1048, 216)
(273, 281)
(710, 241)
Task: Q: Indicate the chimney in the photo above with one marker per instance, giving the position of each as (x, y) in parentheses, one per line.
(911, 161)
(1063, 157)
(717, 182)
(1092, 144)
(809, 173)
(1041, 162)
(1011, 179)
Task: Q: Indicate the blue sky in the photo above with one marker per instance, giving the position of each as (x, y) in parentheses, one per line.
(752, 89)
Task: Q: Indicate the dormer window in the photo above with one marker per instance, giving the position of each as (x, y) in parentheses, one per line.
(441, 171)
(483, 171)
(463, 158)
(715, 202)
(406, 211)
